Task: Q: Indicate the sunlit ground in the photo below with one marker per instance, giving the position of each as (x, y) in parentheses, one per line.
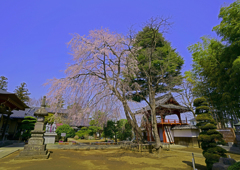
(108, 159)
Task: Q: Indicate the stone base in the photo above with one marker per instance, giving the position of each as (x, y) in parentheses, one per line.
(32, 151)
(50, 137)
(29, 157)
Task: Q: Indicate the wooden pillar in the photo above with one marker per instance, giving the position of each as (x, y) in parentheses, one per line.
(164, 134)
(179, 118)
(148, 132)
(5, 126)
(162, 118)
(1, 121)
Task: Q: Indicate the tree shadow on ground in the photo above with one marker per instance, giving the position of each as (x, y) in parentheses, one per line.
(197, 166)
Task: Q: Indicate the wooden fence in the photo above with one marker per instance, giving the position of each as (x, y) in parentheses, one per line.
(142, 147)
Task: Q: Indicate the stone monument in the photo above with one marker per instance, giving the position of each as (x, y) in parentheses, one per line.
(223, 163)
(50, 134)
(237, 133)
(36, 149)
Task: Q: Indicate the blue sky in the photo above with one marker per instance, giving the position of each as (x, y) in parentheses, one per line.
(34, 33)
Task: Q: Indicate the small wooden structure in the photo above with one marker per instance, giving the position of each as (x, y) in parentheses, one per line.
(165, 105)
(186, 135)
(8, 102)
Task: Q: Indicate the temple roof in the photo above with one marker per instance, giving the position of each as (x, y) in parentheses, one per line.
(11, 100)
(166, 101)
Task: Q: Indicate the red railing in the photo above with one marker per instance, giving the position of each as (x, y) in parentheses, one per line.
(171, 121)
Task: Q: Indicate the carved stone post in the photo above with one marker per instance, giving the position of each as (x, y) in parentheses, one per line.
(36, 149)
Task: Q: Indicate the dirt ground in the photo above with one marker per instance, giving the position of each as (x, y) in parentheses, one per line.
(199, 151)
(106, 159)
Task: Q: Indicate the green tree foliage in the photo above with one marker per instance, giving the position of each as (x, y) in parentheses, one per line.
(217, 65)
(22, 92)
(124, 129)
(98, 119)
(51, 118)
(235, 166)
(3, 83)
(83, 132)
(93, 130)
(70, 133)
(27, 125)
(110, 130)
(121, 129)
(208, 135)
(159, 68)
(158, 61)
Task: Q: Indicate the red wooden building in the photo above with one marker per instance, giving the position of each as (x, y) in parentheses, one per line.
(165, 105)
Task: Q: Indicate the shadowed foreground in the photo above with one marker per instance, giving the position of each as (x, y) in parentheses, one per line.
(104, 159)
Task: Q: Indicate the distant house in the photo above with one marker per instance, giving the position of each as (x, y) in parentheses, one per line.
(17, 116)
(193, 121)
(15, 121)
(186, 135)
(75, 124)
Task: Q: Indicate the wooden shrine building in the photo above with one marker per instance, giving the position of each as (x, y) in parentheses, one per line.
(8, 102)
(165, 105)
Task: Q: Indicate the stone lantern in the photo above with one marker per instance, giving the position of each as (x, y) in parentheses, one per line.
(36, 149)
(237, 133)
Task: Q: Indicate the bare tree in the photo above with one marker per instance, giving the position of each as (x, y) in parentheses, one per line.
(96, 77)
(187, 95)
(33, 102)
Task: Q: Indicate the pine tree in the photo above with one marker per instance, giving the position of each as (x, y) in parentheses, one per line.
(208, 136)
(22, 92)
(3, 83)
(27, 125)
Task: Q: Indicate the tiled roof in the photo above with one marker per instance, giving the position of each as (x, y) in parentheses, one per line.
(20, 114)
(81, 123)
(30, 112)
(161, 102)
(4, 92)
(172, 106)
(11, 100)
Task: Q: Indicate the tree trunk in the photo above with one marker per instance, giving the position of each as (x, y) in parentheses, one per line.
(133, 121)
(154, 121)
(127, 110)
(115, 136)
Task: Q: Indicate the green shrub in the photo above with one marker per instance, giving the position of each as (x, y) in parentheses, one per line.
(235, 166)
(209, 137)
(27, 125)
(124, 129)
(70, 133)
(84, 132)
(76, 137)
